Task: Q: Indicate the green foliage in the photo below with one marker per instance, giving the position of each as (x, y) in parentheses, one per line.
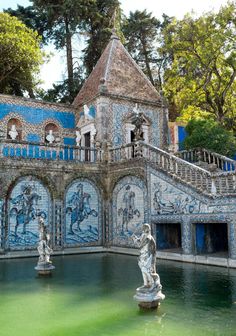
(20, 56)
(32, 18)
(193, 112)
(104, 15)
(202, 71)
(64, 19)
(141, 31)
(210, 135)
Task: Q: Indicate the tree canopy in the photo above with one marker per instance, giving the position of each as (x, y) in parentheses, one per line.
(20, 56)
(202, 73)
(210, 135)
(104, 15)
(141, 31)
(60, 22)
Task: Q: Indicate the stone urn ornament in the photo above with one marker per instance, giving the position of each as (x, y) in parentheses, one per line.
(150, 294)
(50, 137)
(44, 266)
(13, 132)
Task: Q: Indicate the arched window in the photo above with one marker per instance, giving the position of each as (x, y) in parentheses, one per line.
(51, 133)
(14, 129)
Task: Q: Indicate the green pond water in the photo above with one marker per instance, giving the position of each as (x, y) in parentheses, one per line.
(93, 295)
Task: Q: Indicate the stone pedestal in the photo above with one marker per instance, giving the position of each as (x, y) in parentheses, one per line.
(148, 299)
(44, 268)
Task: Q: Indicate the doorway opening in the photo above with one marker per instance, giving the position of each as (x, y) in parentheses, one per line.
(168, 237)
(211, 238)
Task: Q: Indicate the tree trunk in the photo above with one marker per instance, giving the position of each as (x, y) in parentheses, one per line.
(149, 72)
(69, 57)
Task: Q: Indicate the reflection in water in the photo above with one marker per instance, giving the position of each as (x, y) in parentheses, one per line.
(93, 295)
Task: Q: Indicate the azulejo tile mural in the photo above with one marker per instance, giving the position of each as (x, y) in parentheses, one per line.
(128, 210)
(28, 200)
(171, 199)
(83, 213)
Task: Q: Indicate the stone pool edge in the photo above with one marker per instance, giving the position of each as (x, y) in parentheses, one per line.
(196, 259)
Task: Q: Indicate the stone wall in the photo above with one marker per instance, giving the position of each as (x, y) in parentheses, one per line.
(173, 202)
(34, 116)
(68, 196)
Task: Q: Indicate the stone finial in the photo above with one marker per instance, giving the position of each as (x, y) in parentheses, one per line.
(102, 85)
(114, 30)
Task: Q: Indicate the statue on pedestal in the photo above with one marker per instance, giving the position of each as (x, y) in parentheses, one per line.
(149, 295)
(50, 137)
(44, 265)
(78, 138)
(137, 121)
(13, 132)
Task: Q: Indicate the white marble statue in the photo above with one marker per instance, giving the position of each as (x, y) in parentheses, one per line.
(78, 138)
(135, 109)
(13, 132)
(147, 258)
(86, 112)
(50, 137)
(43, 247)
(149, 295)
(93, 133)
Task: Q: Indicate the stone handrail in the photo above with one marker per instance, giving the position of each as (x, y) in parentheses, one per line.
(40, 151)
(178, 168)
(193, 175)
(200, 154)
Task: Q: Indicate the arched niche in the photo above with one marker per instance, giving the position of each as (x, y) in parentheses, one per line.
(129, 210)
(27, 200)
(14, 129)
(51, 133)
(82, 214)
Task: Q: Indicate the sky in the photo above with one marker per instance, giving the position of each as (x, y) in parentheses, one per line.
(53, 71)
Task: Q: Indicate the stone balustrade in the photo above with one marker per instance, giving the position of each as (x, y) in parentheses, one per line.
(218, 182)
(209, 182)
(39, 151)
(211, 158)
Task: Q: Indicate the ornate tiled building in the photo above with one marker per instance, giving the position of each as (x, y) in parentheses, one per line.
(84, 170)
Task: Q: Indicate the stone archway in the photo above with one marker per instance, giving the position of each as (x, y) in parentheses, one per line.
(129, 210)
(27, 200)
(83, 214)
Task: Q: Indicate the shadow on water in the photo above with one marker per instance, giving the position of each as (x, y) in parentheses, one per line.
(93, 294)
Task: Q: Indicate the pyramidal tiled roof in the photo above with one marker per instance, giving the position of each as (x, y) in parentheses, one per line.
(119, 74)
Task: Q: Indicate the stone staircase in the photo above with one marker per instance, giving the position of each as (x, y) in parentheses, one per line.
(207, 172)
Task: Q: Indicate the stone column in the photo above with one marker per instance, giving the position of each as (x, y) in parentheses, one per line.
(163, 120)
(102, 119)
(187, 235)
(2, 225)
(106, 223)
(232, 237)
(57, 224)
